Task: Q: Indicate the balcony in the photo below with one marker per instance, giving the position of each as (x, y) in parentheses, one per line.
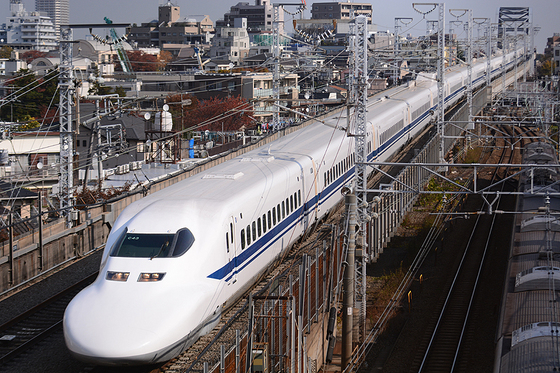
(268, 92)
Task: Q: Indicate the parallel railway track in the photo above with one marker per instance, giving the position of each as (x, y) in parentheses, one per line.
(443, 347)
(32, 326)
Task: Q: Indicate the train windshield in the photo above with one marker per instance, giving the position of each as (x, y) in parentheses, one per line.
(150, 245)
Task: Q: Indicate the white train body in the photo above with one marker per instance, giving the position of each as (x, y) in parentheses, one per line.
(158, 290)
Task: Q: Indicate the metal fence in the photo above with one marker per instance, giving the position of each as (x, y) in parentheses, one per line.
(285, 323)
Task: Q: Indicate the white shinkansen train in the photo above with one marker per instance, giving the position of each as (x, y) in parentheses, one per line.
(176, 258)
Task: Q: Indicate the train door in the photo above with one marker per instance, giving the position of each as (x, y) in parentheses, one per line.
(315, 191)
(232, 250)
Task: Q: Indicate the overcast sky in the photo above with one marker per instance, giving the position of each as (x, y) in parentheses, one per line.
(546, 13)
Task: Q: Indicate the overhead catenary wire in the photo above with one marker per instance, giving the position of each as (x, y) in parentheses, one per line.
(163, 139)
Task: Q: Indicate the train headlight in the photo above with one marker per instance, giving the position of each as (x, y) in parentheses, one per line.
(117, 276)
(150, 277)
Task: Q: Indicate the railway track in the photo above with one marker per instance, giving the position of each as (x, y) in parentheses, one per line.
(32, 326)
(443, 346)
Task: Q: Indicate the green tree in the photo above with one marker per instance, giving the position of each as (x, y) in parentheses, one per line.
(120, 91)
(546, 67)
(29, 123)
(29, 96)
(6, 51)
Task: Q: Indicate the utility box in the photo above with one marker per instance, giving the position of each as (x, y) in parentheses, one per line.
(260, 358)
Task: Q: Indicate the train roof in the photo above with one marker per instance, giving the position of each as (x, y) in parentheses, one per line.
(533, 355)
(226, 185)
(536, 306)
(534, 202)
(534, 242)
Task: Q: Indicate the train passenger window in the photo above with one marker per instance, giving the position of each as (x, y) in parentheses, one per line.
(227, 241)
(231, 231)
(295, 201)
(288, 206)
(264, 223)
(278, 212)
(248, 235)
(243, 239)
(269, 221)
(291, 203)
(283, 209)
(273, 216)
(255, 231)
(299, 197)
(325, 178)
(259, 226)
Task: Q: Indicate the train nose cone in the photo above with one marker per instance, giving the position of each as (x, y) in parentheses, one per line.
(123, 329)
(101, 333)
